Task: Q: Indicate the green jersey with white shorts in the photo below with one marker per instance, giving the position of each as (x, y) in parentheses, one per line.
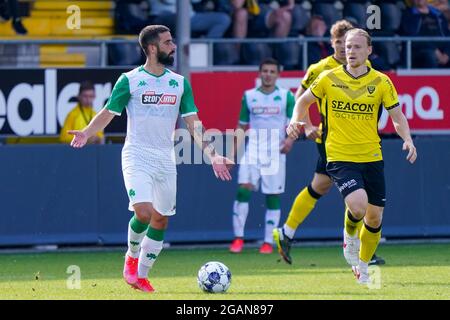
(153, 104)
(267, 115)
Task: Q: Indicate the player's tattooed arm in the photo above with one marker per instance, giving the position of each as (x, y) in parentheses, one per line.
(197, 130)
(220, 165)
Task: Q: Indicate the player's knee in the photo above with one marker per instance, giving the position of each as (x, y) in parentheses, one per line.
(373, 222)
(373, 219)
(143, 213)
(358, 210)
(159, 222)
(322, 188)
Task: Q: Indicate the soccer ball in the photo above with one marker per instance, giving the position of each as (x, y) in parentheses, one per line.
(214, 277)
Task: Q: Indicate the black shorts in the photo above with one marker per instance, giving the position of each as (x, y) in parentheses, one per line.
(350, 176)
(321, 166)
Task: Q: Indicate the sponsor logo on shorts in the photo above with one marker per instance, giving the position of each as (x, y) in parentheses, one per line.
(347, 185)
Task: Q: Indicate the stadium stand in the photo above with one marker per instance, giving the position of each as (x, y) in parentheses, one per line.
(47, 19)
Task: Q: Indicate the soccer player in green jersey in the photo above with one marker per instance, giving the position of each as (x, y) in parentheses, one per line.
(153, 97)
(351, 96)
(266, 110)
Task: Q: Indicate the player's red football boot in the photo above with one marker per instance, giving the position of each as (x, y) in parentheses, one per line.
(266, 248)
(237, 245)
(144, 285)
(130, 270)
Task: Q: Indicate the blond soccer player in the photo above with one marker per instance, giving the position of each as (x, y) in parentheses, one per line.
(352, 96)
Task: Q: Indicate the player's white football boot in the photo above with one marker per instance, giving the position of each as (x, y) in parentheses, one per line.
(351, 249)
(361, 272)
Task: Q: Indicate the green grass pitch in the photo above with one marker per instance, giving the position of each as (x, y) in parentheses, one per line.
(412, 272)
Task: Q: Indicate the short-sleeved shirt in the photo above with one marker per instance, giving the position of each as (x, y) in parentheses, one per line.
(266, 113)
(352, 109)
(314, 71)
(153, 104)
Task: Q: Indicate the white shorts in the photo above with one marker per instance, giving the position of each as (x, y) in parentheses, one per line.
(156, 188)
(271, 182)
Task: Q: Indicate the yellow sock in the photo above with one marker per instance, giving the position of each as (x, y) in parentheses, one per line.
(303, 205)
(352, 226)
(369, 242)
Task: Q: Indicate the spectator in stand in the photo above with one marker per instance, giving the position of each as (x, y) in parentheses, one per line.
(81, 115)
(273, 18)
(444, 7)
(204, 20)
(317, 50)
(424, 20)
(9, 9)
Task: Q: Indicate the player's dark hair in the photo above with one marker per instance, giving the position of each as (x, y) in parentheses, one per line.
(271, 61)
(86, 85)
(150, 35)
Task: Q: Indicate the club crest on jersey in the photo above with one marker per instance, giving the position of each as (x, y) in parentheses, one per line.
(370, 89)
(151, 97)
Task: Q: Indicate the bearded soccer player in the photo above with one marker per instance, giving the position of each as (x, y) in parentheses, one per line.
(351, 96)
(153, 97)
(321, 183)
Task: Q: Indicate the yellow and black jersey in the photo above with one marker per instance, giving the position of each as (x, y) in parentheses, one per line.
(352, 107)
(314, 71)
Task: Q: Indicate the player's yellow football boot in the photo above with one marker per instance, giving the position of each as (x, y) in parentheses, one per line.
(283, 244)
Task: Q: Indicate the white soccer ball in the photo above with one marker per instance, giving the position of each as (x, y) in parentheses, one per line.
(214, 277)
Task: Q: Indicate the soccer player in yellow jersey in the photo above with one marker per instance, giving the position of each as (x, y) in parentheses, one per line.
(321, 183)
(351, 97)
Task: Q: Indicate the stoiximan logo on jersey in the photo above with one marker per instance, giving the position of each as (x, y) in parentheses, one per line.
(151, 97)
(266, 110)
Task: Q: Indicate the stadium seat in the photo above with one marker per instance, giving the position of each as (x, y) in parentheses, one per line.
(300, 19)
(254, 53)
(391, 16)
(288, 54)
(328, 11)
(389, 51)
(226, 54)
(357, 11)
(124, 54)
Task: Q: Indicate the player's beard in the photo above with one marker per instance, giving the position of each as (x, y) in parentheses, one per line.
(166, 59)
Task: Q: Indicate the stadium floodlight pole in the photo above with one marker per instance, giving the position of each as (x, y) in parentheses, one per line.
(183, 36)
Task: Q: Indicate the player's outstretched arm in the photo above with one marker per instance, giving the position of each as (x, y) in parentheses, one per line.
(98, 123)
(221, 165)
(300, 112)
(402, 128)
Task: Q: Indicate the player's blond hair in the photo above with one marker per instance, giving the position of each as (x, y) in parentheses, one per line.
(360, 32)
(340, 28)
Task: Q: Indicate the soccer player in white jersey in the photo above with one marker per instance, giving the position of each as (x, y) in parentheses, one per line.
(266, 110)
(153, 97)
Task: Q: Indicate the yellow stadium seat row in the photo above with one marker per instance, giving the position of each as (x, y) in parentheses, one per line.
(83, 5)
(52, 27)
(63, 14)
(48, 19)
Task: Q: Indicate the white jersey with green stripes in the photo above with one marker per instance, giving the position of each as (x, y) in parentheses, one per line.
(153, 104)
(267, 115)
